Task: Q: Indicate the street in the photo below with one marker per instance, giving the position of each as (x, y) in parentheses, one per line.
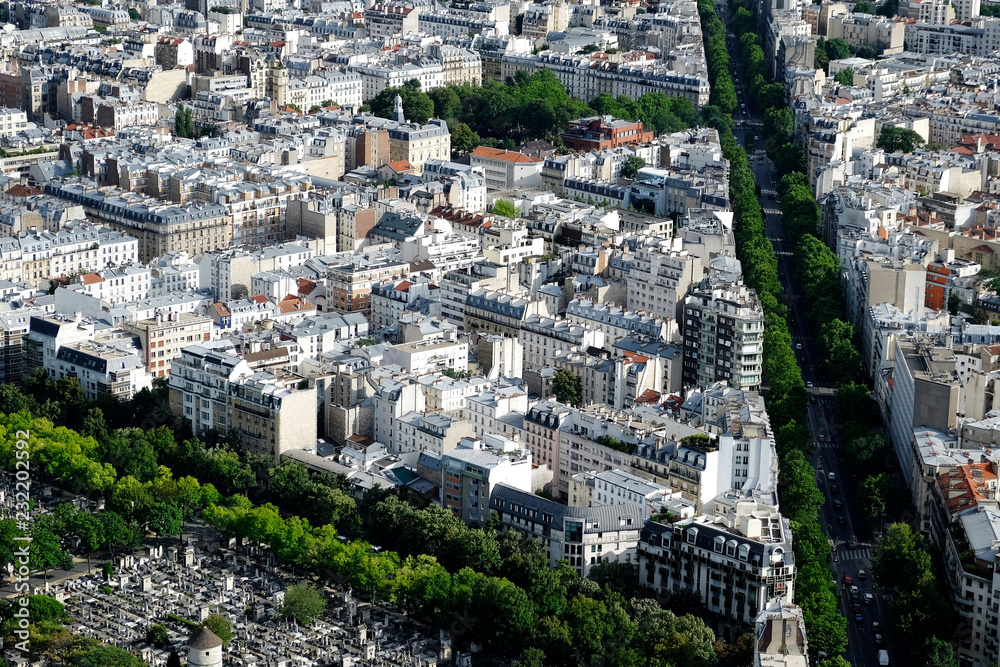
(851, 538)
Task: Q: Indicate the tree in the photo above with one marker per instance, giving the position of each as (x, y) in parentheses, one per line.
(463, 139)
(837, 49)
(42, 608)
(619, 577)
(845, 77)
(302, 603)
(115, 529)
(165, 520)
(220, 625)
(835, 661)
(632, 166)
(134, 14)
(568, 387)
(789, 158)
(954, 302)
(506, 209)
(900, 557)
(417, 105)
(873, 495)
(107, 656)
(184, 122)
(940, 653)
(888, 8)
(895, 139)
(864, 7)
(158, 636)
(45, 549)
(863, 449)
(800, 498)
(94, 425)
(89, 530)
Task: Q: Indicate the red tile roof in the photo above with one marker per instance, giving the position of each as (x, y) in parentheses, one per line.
(506, 156)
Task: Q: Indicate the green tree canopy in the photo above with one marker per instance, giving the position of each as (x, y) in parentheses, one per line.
(568, 387)
(220, 625)
(894, 139)
(506, 209)
(845, 77)
(632, 166)
(303, 603)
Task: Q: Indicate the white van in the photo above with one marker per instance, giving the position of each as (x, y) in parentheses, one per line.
(883, 658)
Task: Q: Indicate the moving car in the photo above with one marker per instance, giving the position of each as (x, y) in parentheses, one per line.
(878, 639)
(869, 598)
(798, 346)
(841, 521)
(838, 504)
(847, 581)
(832, 476)
(835, 489)
(858, 619)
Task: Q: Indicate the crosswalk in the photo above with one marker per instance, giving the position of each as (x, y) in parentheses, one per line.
(860, 553)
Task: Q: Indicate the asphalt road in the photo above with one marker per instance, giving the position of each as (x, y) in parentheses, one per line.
(855, 528)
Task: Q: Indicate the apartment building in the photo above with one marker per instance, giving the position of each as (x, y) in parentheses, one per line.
(198, 385)
(734, 567)
(617, 487)
(12, 121)
(350, 281)
(498, 312)
(506, 170)
(433, 433)
(475, 468)
(109, 364)
(162, 338)
(14, 328)
(723, 335)
(877, 32)
(680, 73)
(543, 337)
(271, 415)
(212, 387)
(159, 227)
(37, 255)
(659, 278)
(390, 20)
(429, 356)
(604, 132)
(540, 432)
(581, 536)
(618, 323)
(115, 287)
